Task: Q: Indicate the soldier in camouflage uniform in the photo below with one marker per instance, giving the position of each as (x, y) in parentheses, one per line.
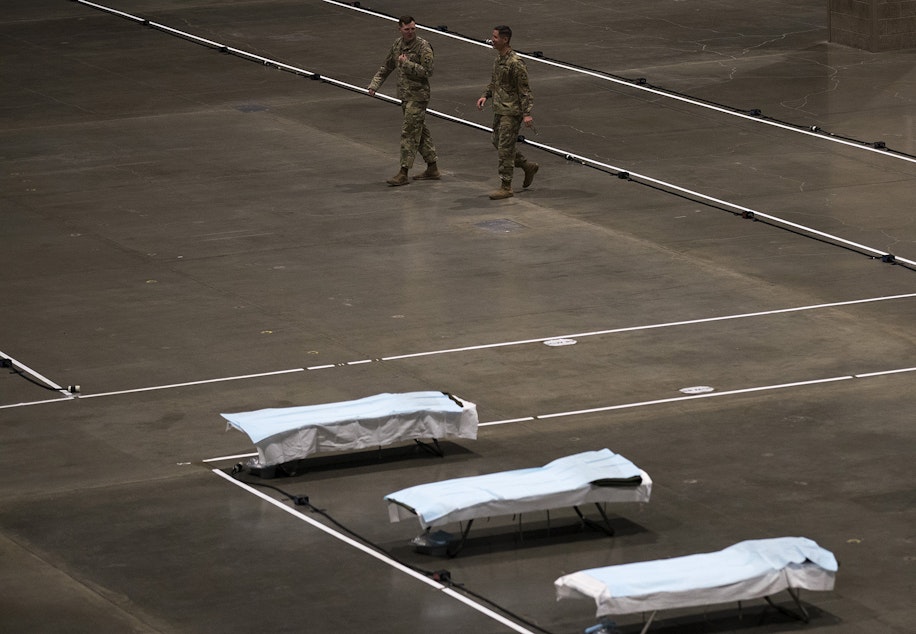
(512, 103)
(412, 56)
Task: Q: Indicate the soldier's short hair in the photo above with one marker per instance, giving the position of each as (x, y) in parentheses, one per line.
(504, 31)
(405, 19)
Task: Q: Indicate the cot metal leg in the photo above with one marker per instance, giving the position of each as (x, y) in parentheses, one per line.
(452, 552)
(607, 522)
(801, 615)
(434, 449)
(607, 528)
(649, 622)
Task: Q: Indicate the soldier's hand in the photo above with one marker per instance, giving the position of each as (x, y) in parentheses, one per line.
(371, 92)
(529, 121)
(481, 102)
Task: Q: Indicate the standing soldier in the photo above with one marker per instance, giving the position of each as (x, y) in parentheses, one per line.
(512, 103)
(412, 56)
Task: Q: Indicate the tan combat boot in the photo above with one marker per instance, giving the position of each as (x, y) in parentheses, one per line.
(530, 170)
(504, 191)
(431, 173)
(399, 179)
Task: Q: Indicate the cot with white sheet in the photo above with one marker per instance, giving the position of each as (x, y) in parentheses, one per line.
(747, 570)
(283, 435)
(590, 477)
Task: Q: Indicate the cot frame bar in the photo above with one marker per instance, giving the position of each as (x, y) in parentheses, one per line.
(606, 528)
(795, 593)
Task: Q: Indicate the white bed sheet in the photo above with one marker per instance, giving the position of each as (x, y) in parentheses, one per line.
(747, 570)
(562, 483)
(290, 433)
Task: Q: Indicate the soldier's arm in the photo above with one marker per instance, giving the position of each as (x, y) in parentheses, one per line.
(525, 98)
(384, 70)
(491, 87)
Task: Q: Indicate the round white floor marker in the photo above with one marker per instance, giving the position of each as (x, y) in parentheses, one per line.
(560, 342)
(697, 389)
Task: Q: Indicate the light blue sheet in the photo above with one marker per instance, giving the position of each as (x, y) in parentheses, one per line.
(564, 482)
(291, 433)
(745, 560)
(264, 423)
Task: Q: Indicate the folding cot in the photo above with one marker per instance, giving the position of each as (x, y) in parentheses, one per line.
(593, 476)
(291, 433)
(747, 570)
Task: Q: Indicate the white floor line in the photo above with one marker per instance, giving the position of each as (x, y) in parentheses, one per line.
(62, 399)
(650, 89)
(660, 401)
(374, 553)
(868, 375)
(486, 346)
(670, 324)
(693, 397)
(192, 383)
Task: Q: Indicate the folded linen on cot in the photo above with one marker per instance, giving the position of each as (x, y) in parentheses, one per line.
(592, 476)
(291, 433)
(747, 570)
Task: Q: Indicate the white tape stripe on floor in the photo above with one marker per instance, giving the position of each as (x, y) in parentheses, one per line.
(693, 397)
(487, 346)
(670, 324)
(62, 399)
(762, 388)
(660, 401)
(191, 383)
(374, 553)
(868, 375)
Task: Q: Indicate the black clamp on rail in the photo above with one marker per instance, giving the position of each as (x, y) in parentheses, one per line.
(754, 112)
(315, 77)
(747, 215)
(888, 258)
(442, 28)
(879, 145)
(442, 576)
(640, 81)
(623, 176)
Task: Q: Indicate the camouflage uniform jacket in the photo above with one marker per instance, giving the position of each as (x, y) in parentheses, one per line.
(414, 74)
(509, 86)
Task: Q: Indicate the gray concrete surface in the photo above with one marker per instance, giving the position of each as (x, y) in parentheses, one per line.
(180, 227)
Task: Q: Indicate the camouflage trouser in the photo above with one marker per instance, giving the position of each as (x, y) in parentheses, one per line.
(415, 135)
(505, 134)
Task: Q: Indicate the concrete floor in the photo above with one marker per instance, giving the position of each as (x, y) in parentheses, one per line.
(187, 232)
